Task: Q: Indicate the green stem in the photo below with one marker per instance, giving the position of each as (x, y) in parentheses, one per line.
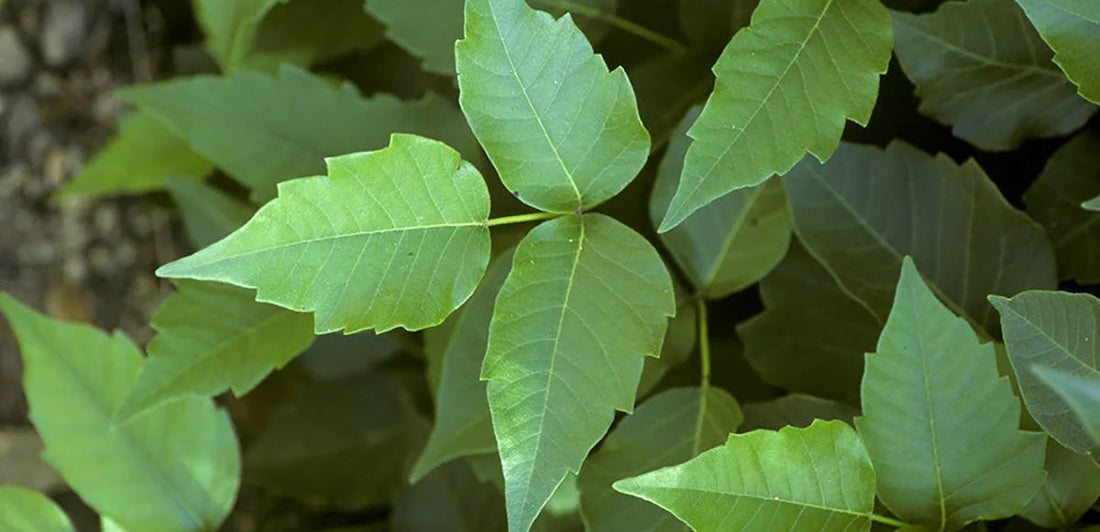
(620, 23)
(888, 521)
(704, 343)
(522, 218)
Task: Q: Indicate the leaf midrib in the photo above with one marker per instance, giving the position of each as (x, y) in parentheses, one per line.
(772, 499)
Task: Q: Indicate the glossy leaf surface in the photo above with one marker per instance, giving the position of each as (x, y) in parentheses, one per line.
(587, 299)
(355, 245)
(1070, 27)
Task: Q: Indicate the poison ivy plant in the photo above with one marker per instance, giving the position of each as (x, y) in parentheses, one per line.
(1069, 27)
(22, 509)
(208, 214)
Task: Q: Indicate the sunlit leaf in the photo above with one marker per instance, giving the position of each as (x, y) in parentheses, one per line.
(563, 133)
(26, 510)
(1071, 27)
(586, 300)
(212, 337)
(174, 468)
(811, 336)
(795, 410)
(1055, 330)
(865, 209)
(462, 423)
(785, 86)
(940, 424)
(980, 67)
(731, 242)
(1071, 487)
(243, 124)
(1071, 176)
(366, 246)
(208, 214)
(817, 478)
(669, 428)
(139, 158)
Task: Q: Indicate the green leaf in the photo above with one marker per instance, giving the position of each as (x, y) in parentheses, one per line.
(669, 428)
(679, 343)
(1055, 330)
(711, 23)
(242, 123)
(811, 336)
(230, 27)
(1070, 27)
(563, 133)
(785, 86)
(867, 208)
(351, 246)
(940, 424)
(138, 159)
(586, 300)
(429, 37)
(731, 242)
(981, 68)
(817, 478)
(174, 468)
(1081, 393)
(305, 32)
(342, 444)
(795, 410)
(25, 510)
(462, 422)
(1092, 204)
(212, 337)
(1071, 487)
(208, 214)
(1054, 200)
(450, 498)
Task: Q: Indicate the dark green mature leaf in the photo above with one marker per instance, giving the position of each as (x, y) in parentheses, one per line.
(587, 299)
(811, 336)
(1081, 392)
(731, 242)
(679, 343)
(563, 133)
(462, 422)
(669, 428)
(212, 337)
(1071, 176)
(342, 444)
(242, 123)
(817, 478)
(26, 510)
(450, 498)
(351, 246)
(785, 86)
(138, 159)
(1071, 27)
(305, 32)
(981, 68)
(230, 27)
(1071, 487)
(711, 23)
(940, 424)
(795, 410)
(174, 468)
(867, 208)
(1055, 330)
(208, 214)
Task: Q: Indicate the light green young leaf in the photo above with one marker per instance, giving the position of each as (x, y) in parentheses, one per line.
(1071, 487)
(563, 133)
(1092, 204)
(26, 510)
(785, 86)
(139, 158)
(343, 444)
(174, 468)
(811, 336)
(586, 300)
(795, 410)
(1053, 330)
(212, 337)
(867, 208)
(731, 242)
(242, 123)
(817, 478)
(981, 68)
(208, 214)
(230, 27)
(1082, 393)
(1071, 27)
(462, 422)
(1071, 176)
(940, 424)
(671, 427)
(351, 246)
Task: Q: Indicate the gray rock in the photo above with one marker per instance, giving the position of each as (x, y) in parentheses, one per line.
(22, 118)
(64, 32)
(15, 62)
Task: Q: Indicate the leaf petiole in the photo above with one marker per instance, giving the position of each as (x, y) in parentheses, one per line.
(522, 218)
(704, 343)
(888, 521)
